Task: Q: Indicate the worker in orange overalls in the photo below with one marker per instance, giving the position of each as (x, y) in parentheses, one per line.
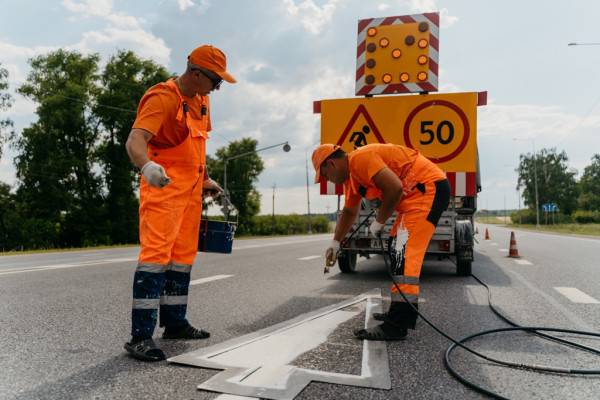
(406, 182)
(168, 143)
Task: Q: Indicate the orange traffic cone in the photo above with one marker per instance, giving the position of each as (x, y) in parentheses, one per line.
(513, 252)
(487, 234)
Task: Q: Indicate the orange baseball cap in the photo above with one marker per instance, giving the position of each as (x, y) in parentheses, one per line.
(319, 155)
(213, 59)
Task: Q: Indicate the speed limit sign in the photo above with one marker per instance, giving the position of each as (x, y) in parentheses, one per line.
(441, 126)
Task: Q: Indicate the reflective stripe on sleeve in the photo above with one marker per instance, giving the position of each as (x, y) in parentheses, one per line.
(184, 268)
(154, 268)
(403, 279)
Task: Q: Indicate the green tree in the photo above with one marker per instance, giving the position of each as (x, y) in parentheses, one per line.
(589, 185)
(55, 164)
(556, 184)
(242, 174)
(124, 81)
(5, 104)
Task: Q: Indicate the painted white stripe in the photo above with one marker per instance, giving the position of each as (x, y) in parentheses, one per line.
(209, 279)
(523, 262)
(576, 295)
(270, 244)
(461, 184)
(62, 266)
(494, 244)
(308, 258)
(502, 249)
(476, 295)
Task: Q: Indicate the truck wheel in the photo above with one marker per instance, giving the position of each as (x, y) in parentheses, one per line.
(347, 262)
(463, 267)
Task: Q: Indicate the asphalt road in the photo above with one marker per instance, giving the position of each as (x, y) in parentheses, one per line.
(65, 316)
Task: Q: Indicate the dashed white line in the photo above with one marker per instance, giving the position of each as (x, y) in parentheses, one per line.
(502, 249)
(308, 258)
(269, 244)
(523, 262)
(209, 279)
(576, 295)
(494, 244)
(61, 266)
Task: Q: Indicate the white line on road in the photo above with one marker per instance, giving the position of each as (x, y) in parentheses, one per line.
(523, 262)
(308, 258)
(209, 279)
(502, 249)
(60, 266)
(576, 295)
(494, 244)
(267, 244)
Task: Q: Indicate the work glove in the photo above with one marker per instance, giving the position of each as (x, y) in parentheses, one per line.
(155, 174)
(376, 227)
(331, 253)
(211, 188)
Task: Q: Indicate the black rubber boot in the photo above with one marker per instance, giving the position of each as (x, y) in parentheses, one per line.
(144, 350)
(385, 331)
(185, 332)
(381, 316)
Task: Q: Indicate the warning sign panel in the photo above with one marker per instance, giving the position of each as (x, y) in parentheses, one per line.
(442, 127)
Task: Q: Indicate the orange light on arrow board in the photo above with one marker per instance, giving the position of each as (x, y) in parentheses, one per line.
(372, 32)
(386, 78)
(423, 43)
(396, 53)
(404, 77)
(384, 42)
(422, 60)
(422, 76)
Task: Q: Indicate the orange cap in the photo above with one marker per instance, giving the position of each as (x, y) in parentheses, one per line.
(213, 59)
(319, 155)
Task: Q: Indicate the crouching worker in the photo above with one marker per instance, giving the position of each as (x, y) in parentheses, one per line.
(409, 184)
(168, 144)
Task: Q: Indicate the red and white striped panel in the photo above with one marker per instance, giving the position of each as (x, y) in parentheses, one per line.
(430, 85)
(461, 184)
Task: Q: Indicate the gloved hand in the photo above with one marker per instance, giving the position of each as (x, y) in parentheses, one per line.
(155, 174)
(331, 253)
(211, 188)
(376, 228)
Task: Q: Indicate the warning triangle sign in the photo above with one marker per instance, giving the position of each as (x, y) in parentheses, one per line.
(360, 131)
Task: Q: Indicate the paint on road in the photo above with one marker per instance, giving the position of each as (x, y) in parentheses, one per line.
(209, 279)
(308, 258)
(576, 295)
(72, 265)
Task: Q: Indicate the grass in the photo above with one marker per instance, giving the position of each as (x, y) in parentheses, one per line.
(491, 220)
(573, 229)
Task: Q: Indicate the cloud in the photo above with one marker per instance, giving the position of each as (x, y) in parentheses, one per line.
(312, 17)
(421, 6)
(383, 6)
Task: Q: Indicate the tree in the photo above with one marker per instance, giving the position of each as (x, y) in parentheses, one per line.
(55, 164)
(556, 183)
(124, 81)
(242, 174)
(5, 104)
(589, 185)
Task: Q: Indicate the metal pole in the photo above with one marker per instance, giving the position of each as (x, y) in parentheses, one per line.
(307, 195)
(537, 201)
(226, 199)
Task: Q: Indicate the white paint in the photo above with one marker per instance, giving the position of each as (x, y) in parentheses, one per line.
(233, 397)
(523, 262)
(270, 244)
(61, 266)
(502, 249)
(476, 295)
(494, 244)
(308, 258)
(576, 295)
(209, 279)
(273, 352)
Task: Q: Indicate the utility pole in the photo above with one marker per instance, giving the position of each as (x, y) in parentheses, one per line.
(537, 201)
(308, 195)
(273, 211)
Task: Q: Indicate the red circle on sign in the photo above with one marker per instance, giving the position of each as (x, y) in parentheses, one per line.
(451, 106)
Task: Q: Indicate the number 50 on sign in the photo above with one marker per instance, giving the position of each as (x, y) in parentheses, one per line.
(443, 127)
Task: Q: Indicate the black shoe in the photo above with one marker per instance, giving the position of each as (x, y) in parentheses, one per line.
(381, 316)
(382, 332)
(186, 332)
(145, 350)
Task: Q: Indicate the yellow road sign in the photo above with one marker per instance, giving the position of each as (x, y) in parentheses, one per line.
(441, 126)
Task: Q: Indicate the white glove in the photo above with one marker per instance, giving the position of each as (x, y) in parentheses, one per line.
(155, 174)
(331, 253)
(376, 228)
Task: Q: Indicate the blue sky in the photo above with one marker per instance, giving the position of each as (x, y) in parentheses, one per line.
(288, 53)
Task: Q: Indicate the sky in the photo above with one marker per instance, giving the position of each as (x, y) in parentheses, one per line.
(288, 53)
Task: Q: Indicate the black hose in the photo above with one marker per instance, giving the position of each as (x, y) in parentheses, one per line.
(515, 327)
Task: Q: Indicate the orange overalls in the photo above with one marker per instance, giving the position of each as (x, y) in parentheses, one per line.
(426, 196)
(169, 226)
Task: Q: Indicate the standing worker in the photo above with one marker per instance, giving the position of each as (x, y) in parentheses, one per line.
(411, 185)
(168, 143)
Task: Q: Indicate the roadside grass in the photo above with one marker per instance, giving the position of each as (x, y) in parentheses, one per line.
(574, 229)
(492, 220)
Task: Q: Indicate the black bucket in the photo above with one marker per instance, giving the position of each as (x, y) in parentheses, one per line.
(216, 236)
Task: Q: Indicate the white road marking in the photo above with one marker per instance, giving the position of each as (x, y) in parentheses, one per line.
(502, 249)
(494, 244)
(308, 258)
(523, 262)
(576, 295)
(254, 246)
(476, 295)
(61, 266)
(209, 279)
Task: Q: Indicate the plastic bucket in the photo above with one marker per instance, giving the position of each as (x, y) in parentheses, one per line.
(216, 236)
